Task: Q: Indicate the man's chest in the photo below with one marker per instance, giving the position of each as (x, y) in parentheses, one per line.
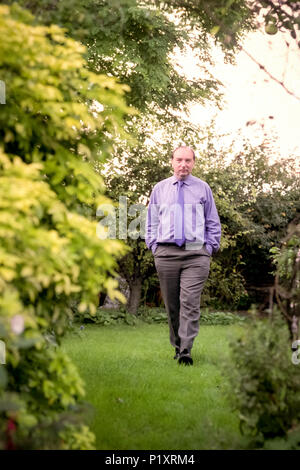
(191, 194)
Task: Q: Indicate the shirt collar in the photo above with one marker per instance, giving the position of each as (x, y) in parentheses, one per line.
(186, 181)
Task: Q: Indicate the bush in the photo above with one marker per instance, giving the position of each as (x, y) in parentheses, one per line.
(225, 287)
(49, 251)
(289, 442)
(106, 317)
(159, 315)
(146, 314)
(153, 314)
(220, 318)
(265, 382)
(45, 409)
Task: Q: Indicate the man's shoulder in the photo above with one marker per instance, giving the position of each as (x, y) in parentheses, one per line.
(195, 180)
(164, 182)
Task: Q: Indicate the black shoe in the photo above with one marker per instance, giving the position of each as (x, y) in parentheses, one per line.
(177, 353)
(185, 358)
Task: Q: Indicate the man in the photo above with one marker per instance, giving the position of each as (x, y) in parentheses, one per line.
(183, 231)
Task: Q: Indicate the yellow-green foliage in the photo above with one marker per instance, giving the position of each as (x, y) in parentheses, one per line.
(50, 138)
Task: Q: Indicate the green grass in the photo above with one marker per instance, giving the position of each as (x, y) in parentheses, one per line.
(143, 399)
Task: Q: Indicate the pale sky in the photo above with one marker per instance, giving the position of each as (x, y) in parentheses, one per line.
(251, 95)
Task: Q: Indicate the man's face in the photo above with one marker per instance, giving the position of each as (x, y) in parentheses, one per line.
(183, 162)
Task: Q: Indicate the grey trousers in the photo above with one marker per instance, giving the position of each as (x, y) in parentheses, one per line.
(182, 274)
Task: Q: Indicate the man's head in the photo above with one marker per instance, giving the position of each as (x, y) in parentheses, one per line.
(183, 161)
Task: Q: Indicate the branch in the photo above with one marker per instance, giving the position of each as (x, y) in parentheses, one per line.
(280, 303)
(280, 10)
(262, 67)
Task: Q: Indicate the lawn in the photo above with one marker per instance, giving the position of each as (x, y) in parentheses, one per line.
(143, 399)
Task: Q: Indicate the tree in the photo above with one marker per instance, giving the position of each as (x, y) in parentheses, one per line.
(255, 199)
(278, 16)
(132, 40)
(287, 277)
(226, 19)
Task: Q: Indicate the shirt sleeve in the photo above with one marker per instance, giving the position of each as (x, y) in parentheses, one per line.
(152, 222)
(212, 223)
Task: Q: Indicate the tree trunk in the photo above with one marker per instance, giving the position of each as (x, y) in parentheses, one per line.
(135, 291)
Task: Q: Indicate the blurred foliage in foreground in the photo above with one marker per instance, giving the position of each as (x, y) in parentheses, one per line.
(265, 382)
(50, 136)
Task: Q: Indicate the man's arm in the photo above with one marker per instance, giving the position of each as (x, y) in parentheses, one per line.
(212, 223)
(152, 222)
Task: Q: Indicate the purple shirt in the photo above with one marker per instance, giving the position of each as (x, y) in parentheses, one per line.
(201, 219)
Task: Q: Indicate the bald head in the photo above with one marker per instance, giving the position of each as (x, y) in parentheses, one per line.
(185, 150)
(183, 160)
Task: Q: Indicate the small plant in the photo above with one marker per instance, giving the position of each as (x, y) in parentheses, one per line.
(153, 314)
(107, 317)
(220, 318)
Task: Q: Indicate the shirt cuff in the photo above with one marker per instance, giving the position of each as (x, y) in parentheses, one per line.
(153, 247)
(209, 248)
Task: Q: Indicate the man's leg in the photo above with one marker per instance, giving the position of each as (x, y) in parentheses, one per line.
(194, 273)
(168, 269)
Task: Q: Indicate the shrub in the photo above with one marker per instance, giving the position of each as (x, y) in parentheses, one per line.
(265, 382)
(49, 252)
(153, 314)
(106, 317)
(220, 318)
(146, 314)
(289, 442)
(43, 401)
